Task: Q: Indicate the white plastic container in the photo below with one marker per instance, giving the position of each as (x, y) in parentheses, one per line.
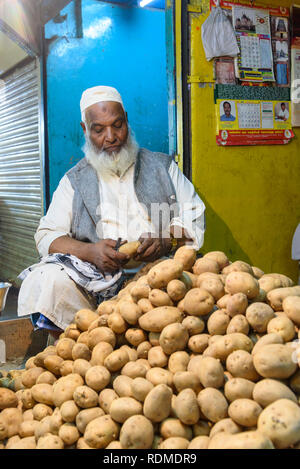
(4, 287)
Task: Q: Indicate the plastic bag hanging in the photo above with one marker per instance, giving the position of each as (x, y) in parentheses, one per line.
(218, 36)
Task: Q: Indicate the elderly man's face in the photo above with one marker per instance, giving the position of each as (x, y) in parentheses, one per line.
(107, 126)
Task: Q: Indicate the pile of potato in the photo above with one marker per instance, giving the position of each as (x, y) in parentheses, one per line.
(198, 353)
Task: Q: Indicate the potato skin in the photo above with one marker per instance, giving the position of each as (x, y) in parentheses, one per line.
(274, 361)
(280, 421)
(137, 433)
(213, 404)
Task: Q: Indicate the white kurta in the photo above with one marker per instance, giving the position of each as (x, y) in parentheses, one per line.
(50, 291)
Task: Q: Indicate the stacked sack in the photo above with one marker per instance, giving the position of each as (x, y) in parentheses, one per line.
(195, 354)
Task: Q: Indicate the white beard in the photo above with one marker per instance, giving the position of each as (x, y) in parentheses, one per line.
(108, 164)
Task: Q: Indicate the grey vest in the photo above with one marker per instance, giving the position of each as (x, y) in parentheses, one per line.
(152, 184)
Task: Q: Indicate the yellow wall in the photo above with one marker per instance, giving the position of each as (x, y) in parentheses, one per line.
(252, 193)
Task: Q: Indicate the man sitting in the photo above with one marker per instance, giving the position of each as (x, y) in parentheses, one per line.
(117, 190)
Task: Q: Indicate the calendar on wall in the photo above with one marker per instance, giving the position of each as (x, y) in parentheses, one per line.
(252, 90)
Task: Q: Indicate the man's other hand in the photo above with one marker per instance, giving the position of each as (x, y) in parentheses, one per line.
(152, 248)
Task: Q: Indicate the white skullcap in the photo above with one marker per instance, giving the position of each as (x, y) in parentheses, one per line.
(98, 94)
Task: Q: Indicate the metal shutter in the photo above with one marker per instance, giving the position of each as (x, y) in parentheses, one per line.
(21, 174)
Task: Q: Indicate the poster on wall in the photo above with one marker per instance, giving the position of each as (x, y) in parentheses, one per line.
(295, 66)
(250, 122)
(253, 34)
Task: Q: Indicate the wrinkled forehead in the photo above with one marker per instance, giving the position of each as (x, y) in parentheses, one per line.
(104, 112)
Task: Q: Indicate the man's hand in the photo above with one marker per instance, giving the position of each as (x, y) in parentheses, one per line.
(152, 248)
(103, 255)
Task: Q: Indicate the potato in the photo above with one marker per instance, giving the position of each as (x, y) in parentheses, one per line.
(140, 388)
(85, 397)
(186, 407)
(244, 412)
(69, 433)
(194, 364)
(41, 411)
(259, 315)
(101, 431)
(101, 334)
(267, 391)
(186, 255)
(10, 421)
(116, 360)
(227, 344)
(273, 338)
(49, 441)
(242, 282)
(154, 338)
(71, 332)
(225, 426)
(64, 387)
(124, 407)
(30, 376)
(237, 266)
(283, 326)
(159, 298)
(244, 440)
(211, 373)
(134, 370)
(66, 368)
(176, 290)
(83, 318)
(80, 366)
(186, 379)
(27, 414)
(85, 416)
(240, 365)
(40, 357)
(172, 427)
(24, 443)
(199, 442)
(238, 324)
(81, 351)
(275, 297)
(55, 421)
(130, 248)
(156, 319)
(122, 386)
(158, 375)
(213, 404)
(291, 307)
(173, 337)
(69, 411)
(274, 361)
(145, 305)
(130, 312)
(53, 363)
(178, 361)
(81, 444)
(238, 388)
(222, 302)
(157, 404)
(201, 428)
(218, 256)
(162, 273)
(106, 307)
(43, 427)
(143, 349)
(100, 352)
(218, 322)
(137, 433)
(7, 398)
(47, 377)
(174, 443)
(205, 265)
(135, 336)
(97, 377)
(280, 421)
(42, 393)
(198, 302)
(132, 353)
(258, 273)
(213, 285)
(198, 343)
(27, 428)
(64, 348)
(194, 325)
